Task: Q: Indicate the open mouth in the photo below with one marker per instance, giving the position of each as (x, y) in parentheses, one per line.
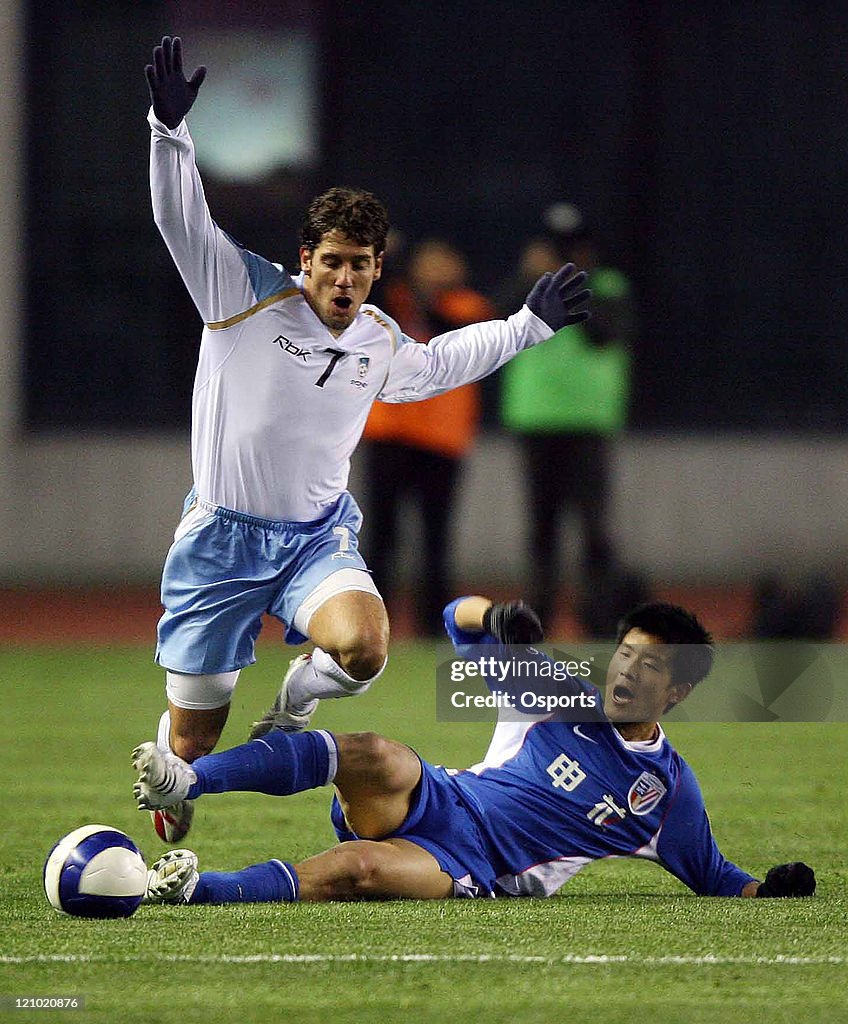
(343, 302)
(622, 694)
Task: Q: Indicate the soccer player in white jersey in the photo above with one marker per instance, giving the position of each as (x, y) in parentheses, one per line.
(287, 372)
(549, 797)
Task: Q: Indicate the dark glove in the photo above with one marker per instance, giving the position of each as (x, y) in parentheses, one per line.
(795, 879)
(513, 623)
(554, 298)
(171, 95)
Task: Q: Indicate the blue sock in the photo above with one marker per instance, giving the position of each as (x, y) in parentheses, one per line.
(279, 764)
(271, 882)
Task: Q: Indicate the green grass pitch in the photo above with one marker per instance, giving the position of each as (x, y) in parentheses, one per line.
(623, 942)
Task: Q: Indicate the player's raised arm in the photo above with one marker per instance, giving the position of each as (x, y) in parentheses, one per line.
(171, 94)
(471, 353)
(211, 265)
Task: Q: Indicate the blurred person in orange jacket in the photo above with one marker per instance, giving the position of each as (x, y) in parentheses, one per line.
(415, 452)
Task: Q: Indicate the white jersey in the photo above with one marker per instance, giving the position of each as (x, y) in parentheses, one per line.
(279, 403)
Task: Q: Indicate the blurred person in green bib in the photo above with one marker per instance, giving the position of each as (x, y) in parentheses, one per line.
(566, 402)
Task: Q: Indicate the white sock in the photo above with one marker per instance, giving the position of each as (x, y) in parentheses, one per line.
(323, 678)
(163, 733)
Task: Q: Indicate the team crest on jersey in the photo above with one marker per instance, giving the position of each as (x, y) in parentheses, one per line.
(645, 793)
(364, 362)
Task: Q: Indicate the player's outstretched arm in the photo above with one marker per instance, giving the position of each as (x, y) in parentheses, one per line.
(793, 879)
(687, 848)
(171, 94)
(560, 299)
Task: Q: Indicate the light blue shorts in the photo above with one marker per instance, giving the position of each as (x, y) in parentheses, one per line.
(226, 569)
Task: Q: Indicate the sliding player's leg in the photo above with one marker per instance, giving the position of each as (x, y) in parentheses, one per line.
(392, 869)
(375, 777)
(279, 765)
(362, 869)
(375, 783)
(431, 850)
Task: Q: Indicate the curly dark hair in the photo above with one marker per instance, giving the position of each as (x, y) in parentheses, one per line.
(694, 652)
(353, 212)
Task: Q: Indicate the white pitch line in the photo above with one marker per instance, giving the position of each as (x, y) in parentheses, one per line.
(706, 960)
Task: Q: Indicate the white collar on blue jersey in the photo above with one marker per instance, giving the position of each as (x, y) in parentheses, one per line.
(642, 746)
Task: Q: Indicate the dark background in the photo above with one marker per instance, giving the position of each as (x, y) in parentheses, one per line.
(707, 145)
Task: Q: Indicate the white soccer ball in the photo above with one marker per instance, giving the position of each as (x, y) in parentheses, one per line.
(95, 871)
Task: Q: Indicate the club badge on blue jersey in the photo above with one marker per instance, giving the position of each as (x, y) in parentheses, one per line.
(645, 793)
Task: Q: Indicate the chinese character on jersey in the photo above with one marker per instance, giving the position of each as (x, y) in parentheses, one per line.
(566, 773)
(604, 813)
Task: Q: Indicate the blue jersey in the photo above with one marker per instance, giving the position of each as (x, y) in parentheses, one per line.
(552, 796)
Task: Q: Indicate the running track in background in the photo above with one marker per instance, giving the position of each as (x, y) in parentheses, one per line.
(128, 614)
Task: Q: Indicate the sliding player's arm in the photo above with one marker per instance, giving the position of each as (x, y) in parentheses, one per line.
(480, 620)
(687, 848)
(222, 278)
(471, 353)
(510, 622)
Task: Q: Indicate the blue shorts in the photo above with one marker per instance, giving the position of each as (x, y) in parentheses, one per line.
(440, 822)
(226, 569)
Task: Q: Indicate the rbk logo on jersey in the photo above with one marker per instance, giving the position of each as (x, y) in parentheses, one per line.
(645, 793)
(290, 347)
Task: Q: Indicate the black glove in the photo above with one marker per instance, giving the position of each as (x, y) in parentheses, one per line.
(795, 879)
(554, 298)
(171, 95)
(513, 623)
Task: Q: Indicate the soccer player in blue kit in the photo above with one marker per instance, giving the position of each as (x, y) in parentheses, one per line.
(549, 797)
(288, 368)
